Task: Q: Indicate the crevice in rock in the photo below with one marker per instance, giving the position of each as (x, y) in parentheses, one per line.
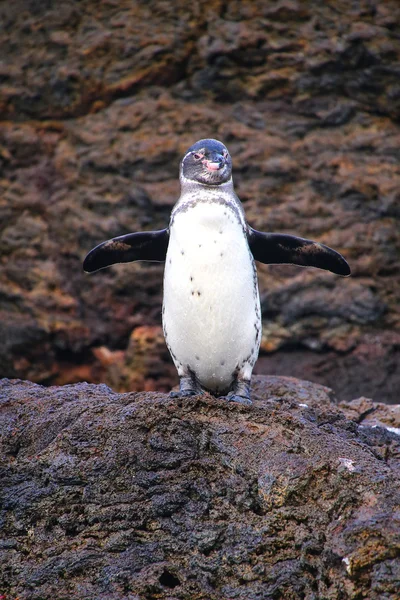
(168, 579)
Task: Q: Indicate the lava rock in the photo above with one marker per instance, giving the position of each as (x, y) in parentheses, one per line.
(98, 102)
(138, 495)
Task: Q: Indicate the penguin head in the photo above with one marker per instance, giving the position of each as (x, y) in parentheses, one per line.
(207, 162)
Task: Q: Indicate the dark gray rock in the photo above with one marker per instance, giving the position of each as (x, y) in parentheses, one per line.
(136, 495)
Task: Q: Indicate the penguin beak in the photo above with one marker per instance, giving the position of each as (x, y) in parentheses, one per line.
(214, 161)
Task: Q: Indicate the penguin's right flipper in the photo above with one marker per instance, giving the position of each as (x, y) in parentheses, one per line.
(144, 245)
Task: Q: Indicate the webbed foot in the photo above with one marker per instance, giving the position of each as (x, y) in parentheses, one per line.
(183, 393)
(232, 397)
(240, 392)
(188, 386)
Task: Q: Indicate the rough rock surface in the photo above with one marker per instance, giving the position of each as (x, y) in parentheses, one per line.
(98, 101)
(137, 496)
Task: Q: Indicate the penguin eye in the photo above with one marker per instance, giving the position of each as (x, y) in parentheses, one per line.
(197, 156)
(225, 154)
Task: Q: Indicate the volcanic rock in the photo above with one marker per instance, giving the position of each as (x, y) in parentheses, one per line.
(140, 496)
(98, 101)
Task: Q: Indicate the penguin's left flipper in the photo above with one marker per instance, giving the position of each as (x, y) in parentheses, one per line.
(143, 245)
(280, 248)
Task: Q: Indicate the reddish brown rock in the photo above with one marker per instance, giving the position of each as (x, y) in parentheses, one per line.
(143, 366)
(98, 102)
(137, 495)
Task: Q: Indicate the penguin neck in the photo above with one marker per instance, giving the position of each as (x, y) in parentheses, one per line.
(194, 193)
(189, 187)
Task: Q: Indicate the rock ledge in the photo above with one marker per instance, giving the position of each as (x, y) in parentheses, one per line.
(137, 496)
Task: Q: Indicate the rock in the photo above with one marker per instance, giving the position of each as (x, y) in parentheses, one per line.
(136, 495)
(374, 414)
(138, 369)
(99, 100)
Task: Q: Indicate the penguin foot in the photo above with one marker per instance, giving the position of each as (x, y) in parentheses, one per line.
(232, 397)
(240, 392)
(183, 393)
(187, 387)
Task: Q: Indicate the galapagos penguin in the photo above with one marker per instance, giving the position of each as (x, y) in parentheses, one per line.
(211, 307)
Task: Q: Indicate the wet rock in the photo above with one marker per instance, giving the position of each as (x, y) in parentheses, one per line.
(137, 495)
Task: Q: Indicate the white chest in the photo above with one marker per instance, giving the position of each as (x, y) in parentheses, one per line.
(211, 311)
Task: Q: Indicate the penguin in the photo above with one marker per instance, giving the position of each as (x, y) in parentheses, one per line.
(211, 306)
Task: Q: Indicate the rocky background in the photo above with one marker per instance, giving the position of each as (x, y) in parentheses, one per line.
(98, 101)
(139, 496)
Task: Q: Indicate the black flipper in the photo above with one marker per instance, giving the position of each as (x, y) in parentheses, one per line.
(144, 245)
(280, 248)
